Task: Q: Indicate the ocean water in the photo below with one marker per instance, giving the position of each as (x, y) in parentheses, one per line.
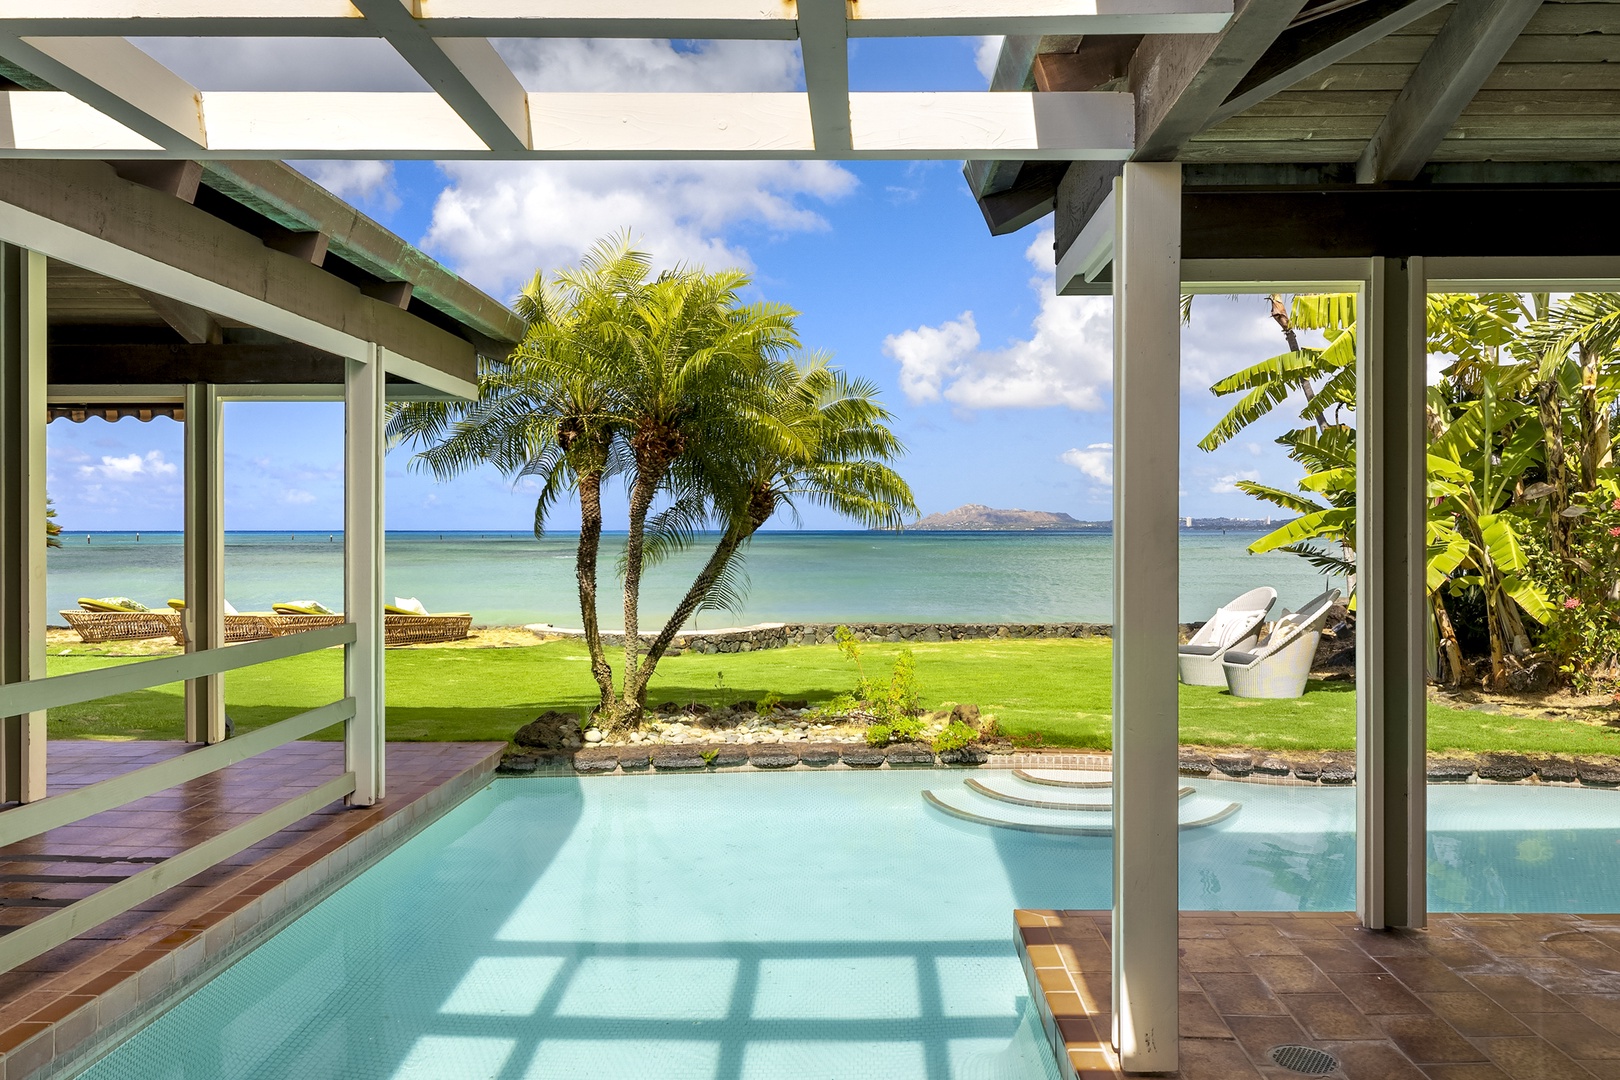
(773, 927)
(514, 578)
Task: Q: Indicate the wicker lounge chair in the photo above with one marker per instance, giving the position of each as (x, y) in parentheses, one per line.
(401, 626)
(1233, 626)
(1280, 665)
(410, 628)
(239, 625)
(301, 615)
(105, 620)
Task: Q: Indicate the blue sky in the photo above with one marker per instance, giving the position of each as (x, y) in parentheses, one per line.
(1000, 389)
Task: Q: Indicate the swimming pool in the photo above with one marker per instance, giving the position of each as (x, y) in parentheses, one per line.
(748, 926)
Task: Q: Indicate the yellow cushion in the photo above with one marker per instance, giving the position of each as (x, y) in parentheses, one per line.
(111, 603)
(392, 610)
(302, 607)
(178, 605)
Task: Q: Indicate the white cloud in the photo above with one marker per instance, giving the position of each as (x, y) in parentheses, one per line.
(130, 467)
(1227, 485)
(1254, 449)
(986, 55)
(356, 181)
(1066, 360)
(297, 497)
(498, 222)
(1096, 461)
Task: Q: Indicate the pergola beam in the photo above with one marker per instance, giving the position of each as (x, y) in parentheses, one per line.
(1459, 60)
(118, 80)
(468, 73)
(734, 19)
(1077, 126)
(824, 43)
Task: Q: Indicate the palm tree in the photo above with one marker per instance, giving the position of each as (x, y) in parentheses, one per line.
(686, 366)
(815, 436)
(547, 411)
(53, 531)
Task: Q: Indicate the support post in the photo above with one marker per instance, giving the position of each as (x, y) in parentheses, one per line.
(22, 513)
(363, 389)
(204, 557)
(1391, 632)
(1147, 376)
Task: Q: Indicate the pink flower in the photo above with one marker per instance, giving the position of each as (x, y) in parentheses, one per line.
(1572, 603)
(1616, 505)
(1615, 531)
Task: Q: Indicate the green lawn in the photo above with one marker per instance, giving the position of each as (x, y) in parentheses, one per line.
(1055, 692)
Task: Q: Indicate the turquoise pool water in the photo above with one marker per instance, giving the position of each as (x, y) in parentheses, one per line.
(764, 927)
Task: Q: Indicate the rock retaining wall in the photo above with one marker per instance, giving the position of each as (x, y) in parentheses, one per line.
(781, 635)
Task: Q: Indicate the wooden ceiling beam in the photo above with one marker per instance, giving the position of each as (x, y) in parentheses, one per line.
(1462, 56)
(1301, 51)
(134, 365)
(192, 323)
(1181, 81)
(824, 45)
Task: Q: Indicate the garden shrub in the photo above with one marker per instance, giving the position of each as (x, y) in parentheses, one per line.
(955, 736)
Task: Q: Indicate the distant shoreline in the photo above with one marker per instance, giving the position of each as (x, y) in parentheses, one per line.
(1105, 529)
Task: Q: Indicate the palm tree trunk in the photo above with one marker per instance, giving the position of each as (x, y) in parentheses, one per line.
(1552, 427)
(1451, 658)
(718, 561)
(641, 497)
(590, 543)
(1279, 315)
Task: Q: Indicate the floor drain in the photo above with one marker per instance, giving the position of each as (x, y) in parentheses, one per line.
(1304, 1059)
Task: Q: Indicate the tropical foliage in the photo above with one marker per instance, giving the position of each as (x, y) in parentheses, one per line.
(1521, 427)
(699, 401)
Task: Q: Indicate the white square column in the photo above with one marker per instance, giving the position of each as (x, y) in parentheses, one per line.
(204, 616)
(1391, 626)
(363, 447)
(1147, 474)
(22, 513)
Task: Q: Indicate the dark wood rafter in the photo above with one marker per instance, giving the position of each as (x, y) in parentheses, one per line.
(144, 365)
(1454, 68)
(1312, 45)
(1181, 81)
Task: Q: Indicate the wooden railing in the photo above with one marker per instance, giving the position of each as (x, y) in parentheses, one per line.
(32, 819)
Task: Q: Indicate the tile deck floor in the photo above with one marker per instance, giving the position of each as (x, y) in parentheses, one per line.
(54, 1007)
(1474, 997)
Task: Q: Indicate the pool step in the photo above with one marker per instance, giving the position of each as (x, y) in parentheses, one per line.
(1047, 801)
(1020, 794)
(1069, 778)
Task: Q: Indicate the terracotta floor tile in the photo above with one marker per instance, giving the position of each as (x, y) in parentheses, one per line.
(1474, 1014)
(1426, 1039)
(1472, 1070)
(1374, 994)
(1330, 1016)
(1202, 954)
(1236, 994)
(1258, 1034)
(1575, 1035)
(1602, 1008)
(1372, 1060)
(1335, 958)
(1425, 974)
(1293, 975)
(1518, 994)
(1215, 1059)
(1532, 1059)
(1199, 1020)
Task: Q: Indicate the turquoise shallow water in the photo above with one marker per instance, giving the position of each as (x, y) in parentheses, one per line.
(512, 578)
(812, 926)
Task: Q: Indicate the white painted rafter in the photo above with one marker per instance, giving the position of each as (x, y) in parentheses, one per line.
(467, 72)
(119, 81)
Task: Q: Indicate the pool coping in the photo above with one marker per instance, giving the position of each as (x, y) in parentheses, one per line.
(80, 1027)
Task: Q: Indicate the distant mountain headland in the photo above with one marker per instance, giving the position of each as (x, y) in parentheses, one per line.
(975, 517)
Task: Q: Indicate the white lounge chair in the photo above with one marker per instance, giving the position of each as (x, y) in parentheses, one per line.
(1280, 664)
(1233, 626)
